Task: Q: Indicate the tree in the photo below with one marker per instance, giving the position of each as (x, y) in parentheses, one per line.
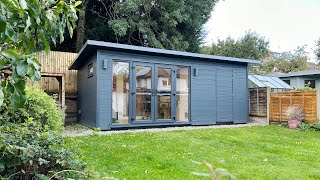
(317, 50)
(169, 24)
(287, 62)
(81, 25)
(27, 26)
(250, 46)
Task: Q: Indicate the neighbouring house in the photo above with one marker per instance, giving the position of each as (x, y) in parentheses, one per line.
(302, 79)
(123, 86)
(274, 83)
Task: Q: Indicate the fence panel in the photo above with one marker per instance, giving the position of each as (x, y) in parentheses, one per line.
(258, 101)
(281, 101)
(58, 62)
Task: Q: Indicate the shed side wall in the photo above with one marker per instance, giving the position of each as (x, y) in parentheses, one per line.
(87, 94)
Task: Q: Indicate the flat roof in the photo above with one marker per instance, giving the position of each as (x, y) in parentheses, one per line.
(300, 73)
(92, 46)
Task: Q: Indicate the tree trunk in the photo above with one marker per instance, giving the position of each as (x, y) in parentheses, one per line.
(81, 25)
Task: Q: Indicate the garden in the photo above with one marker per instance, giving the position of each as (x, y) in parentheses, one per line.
(32, 145)
(260, 152)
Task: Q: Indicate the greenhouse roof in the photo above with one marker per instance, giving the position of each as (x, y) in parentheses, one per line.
(268, 81)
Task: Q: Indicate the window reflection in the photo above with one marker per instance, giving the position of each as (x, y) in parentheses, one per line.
(164, 93)
(120, 92)
(143, 92)
(182, 94)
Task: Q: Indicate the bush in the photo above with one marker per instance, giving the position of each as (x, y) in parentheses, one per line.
(315, 126)
(304, 89)
(29, 152)
(41, 107)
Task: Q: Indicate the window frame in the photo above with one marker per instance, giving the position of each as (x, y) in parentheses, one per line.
(310, 80)
(287, 81)
(90, 66)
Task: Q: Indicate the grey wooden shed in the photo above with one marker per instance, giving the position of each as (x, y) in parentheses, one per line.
(124, 86)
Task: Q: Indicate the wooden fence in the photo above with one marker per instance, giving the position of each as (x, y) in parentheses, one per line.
(58, 62)
(258, 101)
(281, 101)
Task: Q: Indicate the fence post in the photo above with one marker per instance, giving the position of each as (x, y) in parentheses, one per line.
(318, 103)
(258, 109)
(268, 104)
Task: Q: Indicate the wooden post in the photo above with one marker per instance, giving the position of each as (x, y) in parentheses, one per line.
(280, 109)
(268, 104)
(63, 94)
(258, 109)
(318, 103)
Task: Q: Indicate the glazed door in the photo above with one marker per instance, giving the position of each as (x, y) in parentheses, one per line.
(153, 94)
(165, 93)
(142, 93)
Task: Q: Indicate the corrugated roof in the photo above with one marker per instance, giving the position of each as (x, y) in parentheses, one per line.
(300, 73)
(91, 47)
(267, 81)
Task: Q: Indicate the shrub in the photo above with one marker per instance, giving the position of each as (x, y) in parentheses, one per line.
(304, 89)
(29, 152)
(39, 106)
(303, 126)
(315, 126)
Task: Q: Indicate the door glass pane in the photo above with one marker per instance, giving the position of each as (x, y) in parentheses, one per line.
(164, 93)
(143, 92)
(120, 92)
(182, 94)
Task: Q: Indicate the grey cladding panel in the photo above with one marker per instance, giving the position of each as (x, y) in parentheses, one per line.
(224, 95)
(203, 96)
(87, 94)
(104, 101)
(240, 95)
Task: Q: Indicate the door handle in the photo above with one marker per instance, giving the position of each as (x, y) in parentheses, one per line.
(133, 93)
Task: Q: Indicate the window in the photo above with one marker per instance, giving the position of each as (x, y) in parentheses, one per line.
(310, 83)
(90, 70)
(164, 82)
(182, 94)
(120, 92)
(287, 81)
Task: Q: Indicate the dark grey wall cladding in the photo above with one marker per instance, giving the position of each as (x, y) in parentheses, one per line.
(203, 95)
(224, 94)
(240, 95)
(104, 90)
(227, 81)
(87, 94)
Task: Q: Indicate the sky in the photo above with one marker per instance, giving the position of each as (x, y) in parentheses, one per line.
(287, 24)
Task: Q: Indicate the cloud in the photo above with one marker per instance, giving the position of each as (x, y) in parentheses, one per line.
(285, 23)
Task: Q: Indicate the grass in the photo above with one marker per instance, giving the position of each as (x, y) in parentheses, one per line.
(268, 152)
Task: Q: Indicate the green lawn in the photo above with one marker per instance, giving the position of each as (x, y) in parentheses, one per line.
(268, 152)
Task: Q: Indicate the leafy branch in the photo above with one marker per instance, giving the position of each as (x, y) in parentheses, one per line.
(28, 26)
